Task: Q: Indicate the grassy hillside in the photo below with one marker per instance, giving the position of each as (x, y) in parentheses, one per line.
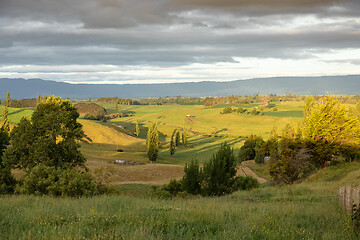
(302, 211)
(15, 114)
(208, 120)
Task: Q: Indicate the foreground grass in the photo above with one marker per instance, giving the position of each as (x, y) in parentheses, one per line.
(268, 213)
(307, 210)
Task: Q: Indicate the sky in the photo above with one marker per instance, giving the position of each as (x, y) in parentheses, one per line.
(161, 41)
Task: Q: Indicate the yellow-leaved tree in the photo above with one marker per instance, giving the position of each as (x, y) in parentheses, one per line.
(329, 130)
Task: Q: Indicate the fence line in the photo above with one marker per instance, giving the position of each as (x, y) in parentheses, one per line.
(348, 196)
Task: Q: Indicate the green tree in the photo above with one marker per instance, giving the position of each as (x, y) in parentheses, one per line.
(240, 110)
(172, 146)
(355, 111)
(8, 100)
(152, 142)
(192, 180)
(6, 123)
(291, 159)
(177, 138)
(7, 181)
(328, 130)
(38, 99)
(49, 137)
(220, 171)
(137, 128)
(309, 105)
(172, 142)
(248, 150)
(227, 110)
(184, 138)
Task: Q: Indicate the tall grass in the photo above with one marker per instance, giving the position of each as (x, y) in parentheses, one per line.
(266, 213)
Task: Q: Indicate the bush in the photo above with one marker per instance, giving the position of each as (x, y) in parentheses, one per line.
(255, 112)
(271, 105)
(227, 110)
(7, 181)
(245, 183)
(43, 180)
(240, 110)
(168, 190)
(275, 109)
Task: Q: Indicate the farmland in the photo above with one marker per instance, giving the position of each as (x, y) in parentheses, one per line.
(304, 210)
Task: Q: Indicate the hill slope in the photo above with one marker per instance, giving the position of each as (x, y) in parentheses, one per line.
(278, 85)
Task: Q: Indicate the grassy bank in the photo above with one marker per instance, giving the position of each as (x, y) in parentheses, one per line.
(307, 210)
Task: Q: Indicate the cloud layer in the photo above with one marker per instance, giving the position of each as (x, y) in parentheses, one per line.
(172, 35)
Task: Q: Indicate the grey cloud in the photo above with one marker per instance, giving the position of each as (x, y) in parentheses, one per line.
(169, 32)
(131, 13)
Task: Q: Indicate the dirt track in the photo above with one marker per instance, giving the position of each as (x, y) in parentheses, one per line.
(244, 170)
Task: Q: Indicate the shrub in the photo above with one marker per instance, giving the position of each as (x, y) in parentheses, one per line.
(245, 183)
(227, 110)
(255, 112)
(240, 110)
(43, 180)
(7, 181)
(275, 109)
(174, 187)
(271, 105)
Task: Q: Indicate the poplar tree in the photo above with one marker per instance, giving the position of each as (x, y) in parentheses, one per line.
(6, 124)
(152, 142)
(38, 100)
(177, 138)
(8, 99)
(184, 138)
(137, 128)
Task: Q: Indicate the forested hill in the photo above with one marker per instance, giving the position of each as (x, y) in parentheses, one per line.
(21, 88)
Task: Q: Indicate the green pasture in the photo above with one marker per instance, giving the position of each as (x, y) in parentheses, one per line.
(15, 114)
(208, 120)
(307, 210)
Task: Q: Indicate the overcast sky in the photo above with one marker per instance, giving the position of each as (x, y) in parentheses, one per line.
(153, 41)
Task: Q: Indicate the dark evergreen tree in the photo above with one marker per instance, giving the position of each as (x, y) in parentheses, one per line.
(220, 171)
(7, 181)
(192, 180)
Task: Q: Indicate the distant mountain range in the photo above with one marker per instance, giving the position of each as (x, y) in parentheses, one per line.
(31, 88)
